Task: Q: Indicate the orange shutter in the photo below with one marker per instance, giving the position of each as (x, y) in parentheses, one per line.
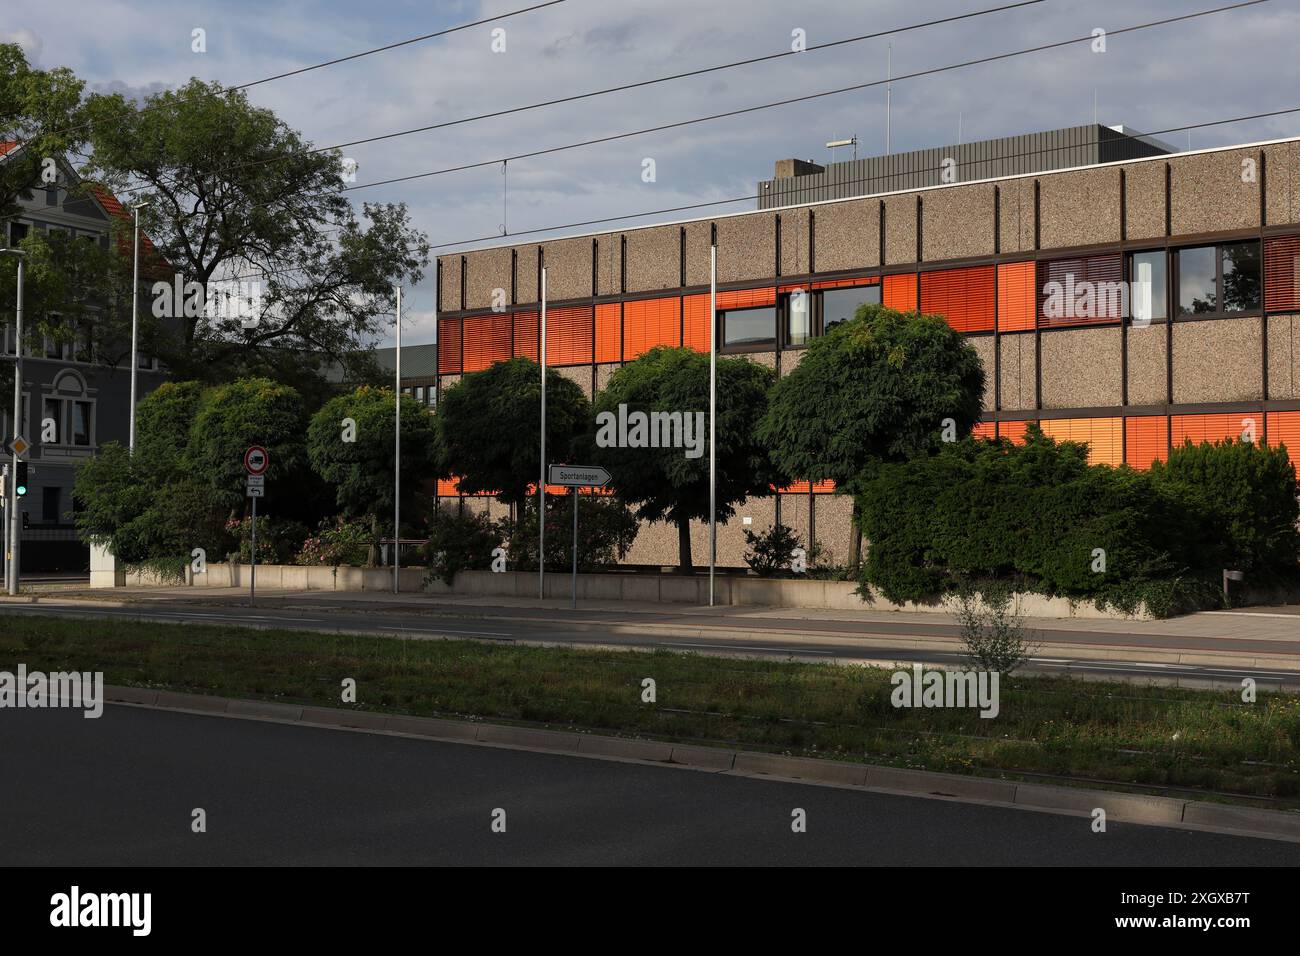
(1103, 436)
(609, 332)
(984, 430)
(846, 283)
(569, 336)
(695, 322)
(651, 322)
(526, 335)
(1282, 274)
(1015, 431)
(745, 298)
(487, 340)
(1212, 428)
(899, 292)
(449, 346)
(1147, 440)
(1284, 429)
(964, 297)
(1016, 296)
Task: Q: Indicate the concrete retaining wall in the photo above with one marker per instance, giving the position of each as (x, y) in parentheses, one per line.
(651, 588)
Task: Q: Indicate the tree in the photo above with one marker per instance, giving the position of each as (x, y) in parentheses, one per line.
(672, 483)
(234, 416)
(489, 422)
(42, 111)
(186, 478)
(241, 205)
(350, 443)
(882, 387)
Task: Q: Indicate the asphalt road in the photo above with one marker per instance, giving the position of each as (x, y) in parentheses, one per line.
(844, 639)
(121, 790)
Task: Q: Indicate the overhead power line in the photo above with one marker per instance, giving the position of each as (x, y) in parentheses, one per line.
(843, 183)
(349, 57)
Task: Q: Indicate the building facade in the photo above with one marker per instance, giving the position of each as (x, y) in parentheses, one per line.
(1130, 304)
(803, 181)
(72, 385)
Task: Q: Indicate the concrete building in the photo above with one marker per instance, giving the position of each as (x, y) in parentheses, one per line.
(803, 181)
(71, 383)
(1132, 303)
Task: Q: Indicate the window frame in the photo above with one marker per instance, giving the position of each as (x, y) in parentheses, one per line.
(766, 345)
(819, 322)
(1130, 278)
(1175, 269)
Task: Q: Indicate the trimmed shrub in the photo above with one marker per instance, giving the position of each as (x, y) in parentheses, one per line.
(1036, 514)
(1250, 489)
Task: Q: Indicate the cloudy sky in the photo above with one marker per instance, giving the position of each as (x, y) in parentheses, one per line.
(1221, 66)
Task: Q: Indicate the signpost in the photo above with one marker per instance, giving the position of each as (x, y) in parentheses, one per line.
(575, 477)
(256, 461)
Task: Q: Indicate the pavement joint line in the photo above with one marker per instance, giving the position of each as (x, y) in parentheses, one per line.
(1120, 807)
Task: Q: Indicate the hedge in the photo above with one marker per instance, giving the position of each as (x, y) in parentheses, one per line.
(1039, 515)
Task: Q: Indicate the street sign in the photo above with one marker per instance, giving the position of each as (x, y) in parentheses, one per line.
(578, 476)
(256, 460)
(18, 445)
(256, 486)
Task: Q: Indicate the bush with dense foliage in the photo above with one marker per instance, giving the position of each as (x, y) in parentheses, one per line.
(606, 529)
(884, 386)
(460, 541)
(338, 541)
(1039, 515)
(1251, 491)
(277, 541)
(771, 552)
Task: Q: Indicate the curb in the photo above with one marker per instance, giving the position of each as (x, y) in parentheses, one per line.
(1119, 807)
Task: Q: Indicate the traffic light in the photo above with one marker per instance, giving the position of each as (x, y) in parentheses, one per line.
(20, 483)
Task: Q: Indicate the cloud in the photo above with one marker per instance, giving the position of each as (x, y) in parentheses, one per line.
(31, 42)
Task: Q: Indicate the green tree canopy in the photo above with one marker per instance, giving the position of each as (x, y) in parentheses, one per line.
(241, 204)
(42, 111)
(233, 416)
(350, 443)
(489, 423)
(665, 484)
(874, 389)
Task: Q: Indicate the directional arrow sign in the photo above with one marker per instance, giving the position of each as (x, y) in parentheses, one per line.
(578, 476)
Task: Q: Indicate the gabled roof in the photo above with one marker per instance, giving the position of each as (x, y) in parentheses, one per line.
(114, 209)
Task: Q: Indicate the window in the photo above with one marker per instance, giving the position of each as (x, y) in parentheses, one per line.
(50, 504)
(17, 232)
(1147, 286)
(1085, 290)
(749, 329)
(52, 412)
(840, 305)
(798, 317)
(1219, 280)
(419, 394)
(80, 426)
(144, 361)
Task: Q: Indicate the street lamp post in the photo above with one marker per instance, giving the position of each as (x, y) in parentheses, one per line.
(397, 449)
(135, 324)
(11, 571)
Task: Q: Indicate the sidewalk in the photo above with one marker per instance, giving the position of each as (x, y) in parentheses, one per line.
(1276, 625)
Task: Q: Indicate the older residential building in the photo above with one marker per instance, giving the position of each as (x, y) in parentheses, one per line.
(71, 384)
(1132, 304)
